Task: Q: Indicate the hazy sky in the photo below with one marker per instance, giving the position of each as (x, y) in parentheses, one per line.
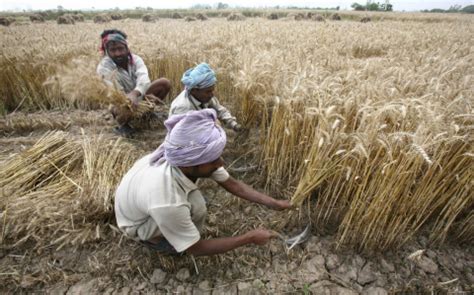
(107, 4)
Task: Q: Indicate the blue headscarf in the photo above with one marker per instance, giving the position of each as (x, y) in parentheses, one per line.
(202, 76)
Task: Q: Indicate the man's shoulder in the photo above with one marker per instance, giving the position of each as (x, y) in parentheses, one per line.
(106, 60)
(106, 63)
(180, 100)
(181, 96)
(214, 101)
(136, 57)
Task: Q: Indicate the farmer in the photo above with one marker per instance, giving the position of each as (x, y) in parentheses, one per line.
(199, 83)
(127, 71)
(158, 202)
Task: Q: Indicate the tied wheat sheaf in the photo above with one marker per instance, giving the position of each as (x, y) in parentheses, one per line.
(81, 87)
(62, 188)
(371, 125)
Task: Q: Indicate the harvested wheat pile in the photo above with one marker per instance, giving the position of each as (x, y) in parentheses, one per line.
(272, 16)
(201, 16)
(78, 17)
(296, 16)
(116, 16)
(92, 92)
(149, 18)
(335, 16)
(101, 18)
(176, 15)
(317, 17)
(6, 21)
(60, 191)
(66, 19)
(36, 18)
(236, 17)
(21, 122)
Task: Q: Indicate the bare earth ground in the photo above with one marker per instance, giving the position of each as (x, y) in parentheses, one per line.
(116, 265)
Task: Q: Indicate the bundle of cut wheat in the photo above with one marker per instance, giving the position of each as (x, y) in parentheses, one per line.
(78, 17)
(296, 16)
(66, 19)
(92, 91)
(36, 18)
(101, 18)
(335, 16)
(60, 191)
(116, 16)
(189, 19)
(235, 17)
(21, 122)
(272, 16)
(176, 15)
(317, 17)
(149, 18)
(201, 16)
(6, 21)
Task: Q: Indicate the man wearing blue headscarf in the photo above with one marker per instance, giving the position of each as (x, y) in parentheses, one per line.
(198, 94)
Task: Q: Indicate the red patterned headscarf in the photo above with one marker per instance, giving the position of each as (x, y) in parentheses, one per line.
(115, 37)
(112, 37)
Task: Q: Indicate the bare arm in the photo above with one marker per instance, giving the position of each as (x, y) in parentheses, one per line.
(223, 113)
(134, 97)
(221, 245)
(143, 80)
(246, 192)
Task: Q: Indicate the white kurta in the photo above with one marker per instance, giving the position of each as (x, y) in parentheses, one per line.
(154, 201)
(135, 78)
(185, 102)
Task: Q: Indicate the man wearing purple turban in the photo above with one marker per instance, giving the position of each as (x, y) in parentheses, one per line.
(158, 202)
(199, 83)
(119, 67)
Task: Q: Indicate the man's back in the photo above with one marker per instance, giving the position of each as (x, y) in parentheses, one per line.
(146, 188)
(159, 200)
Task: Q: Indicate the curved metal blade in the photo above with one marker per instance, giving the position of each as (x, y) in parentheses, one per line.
(298, 239)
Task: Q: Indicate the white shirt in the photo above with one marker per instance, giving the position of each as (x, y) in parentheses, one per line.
(135, 78)
(159, 193)
(185, 102)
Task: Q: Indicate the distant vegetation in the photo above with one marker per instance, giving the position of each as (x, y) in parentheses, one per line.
(140, 12)
(372, 6)
(219, 10)
(376, 6)
(452, 9)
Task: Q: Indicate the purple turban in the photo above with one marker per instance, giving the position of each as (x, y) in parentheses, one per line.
(193, 139)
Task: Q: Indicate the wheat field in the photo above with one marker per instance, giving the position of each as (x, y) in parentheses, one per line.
(368, 126)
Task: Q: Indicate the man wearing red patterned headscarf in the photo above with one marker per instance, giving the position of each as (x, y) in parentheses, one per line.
(120, 68)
